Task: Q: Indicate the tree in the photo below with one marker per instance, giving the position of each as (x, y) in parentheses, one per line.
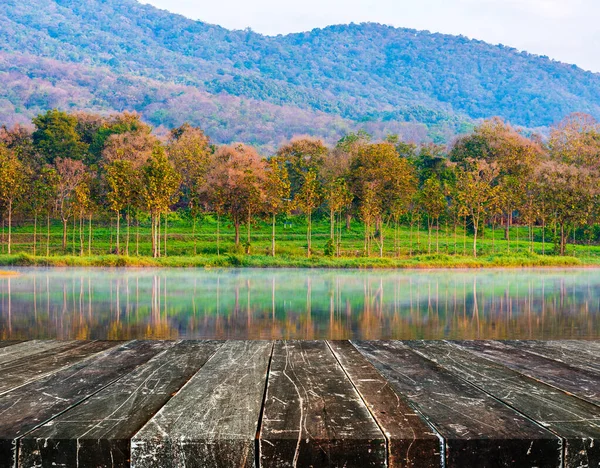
(381, 181)
(235, 183)
(121, 180)
(70, 173)
(307, 200)
(160, 184)
(476, 191)
(576, 140)
(570, 193)
(433, 203)
(277, 193)
(13, 183)
(338, 197)
(301, 156)
(56, 137)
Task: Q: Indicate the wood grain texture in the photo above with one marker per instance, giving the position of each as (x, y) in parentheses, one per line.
(213, 419)
(580, 382)
(30, 406)
(411, 441)
(574, 420)
(6, 343)
(313, 416)
(98, 431)
(577, 354)
(29, 348)
(30, 368)
(478, 430)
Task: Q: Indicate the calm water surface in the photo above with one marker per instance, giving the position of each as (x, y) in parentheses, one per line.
(300, 304)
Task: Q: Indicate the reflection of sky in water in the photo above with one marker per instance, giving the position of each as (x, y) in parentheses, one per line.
(301, 304)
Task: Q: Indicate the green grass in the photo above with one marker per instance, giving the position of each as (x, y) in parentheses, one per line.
(200, 250)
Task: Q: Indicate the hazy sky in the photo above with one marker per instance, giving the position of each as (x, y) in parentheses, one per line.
(566, 30)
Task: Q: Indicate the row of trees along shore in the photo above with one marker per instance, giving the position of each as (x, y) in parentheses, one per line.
(77, 168)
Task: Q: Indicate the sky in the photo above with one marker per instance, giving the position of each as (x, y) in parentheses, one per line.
(565, 30)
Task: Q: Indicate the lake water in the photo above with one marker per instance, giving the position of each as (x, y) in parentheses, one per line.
(300, 304)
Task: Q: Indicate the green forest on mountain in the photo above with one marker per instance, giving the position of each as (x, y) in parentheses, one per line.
(117, 55)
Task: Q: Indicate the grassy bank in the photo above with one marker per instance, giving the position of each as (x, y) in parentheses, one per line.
(261, 261)
(190, 246)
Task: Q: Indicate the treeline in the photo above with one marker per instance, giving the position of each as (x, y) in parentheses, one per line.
(79, 167)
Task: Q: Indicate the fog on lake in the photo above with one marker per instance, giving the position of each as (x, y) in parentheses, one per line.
(119, 304)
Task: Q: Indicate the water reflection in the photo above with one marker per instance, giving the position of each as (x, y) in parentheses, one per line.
(301, 304)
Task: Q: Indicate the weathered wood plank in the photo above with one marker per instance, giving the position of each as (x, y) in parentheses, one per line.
(30, 348)
(478, 430)
(574, 358)
(30, 406)
(6, 343)
(411, 442)
(580, 382)
(213, 419)
(30, 368)
(583, 348)
(576, 421)
(313, 416)
(98, 431)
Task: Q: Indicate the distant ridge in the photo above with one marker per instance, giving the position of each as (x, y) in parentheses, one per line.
(109, 55)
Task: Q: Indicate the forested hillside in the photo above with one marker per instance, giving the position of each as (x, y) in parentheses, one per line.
(113, 55)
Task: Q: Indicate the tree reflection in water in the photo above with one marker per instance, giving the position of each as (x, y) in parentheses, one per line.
(300, 304)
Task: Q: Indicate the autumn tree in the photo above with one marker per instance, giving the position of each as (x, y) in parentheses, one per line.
(235, 182)
(301, 156)
(476, 191)
(277, 193)
(70, 174)
(121, 180)
(307, 200)
(576, 140)
(160, 185)
(570, 193)
(380, 180)
(433, 204)
(13, 184)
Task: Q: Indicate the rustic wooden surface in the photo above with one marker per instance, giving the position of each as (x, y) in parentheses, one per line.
(568, 355)
(28, 348)
(407, 404)
(411, 441)
(98, 431)
(313, 415)
(580, 382)
(573, 419)
(26, 408)
(30, 368)
(478, 430)
(213, 419)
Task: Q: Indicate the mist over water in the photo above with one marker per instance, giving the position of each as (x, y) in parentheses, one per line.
(300, 304)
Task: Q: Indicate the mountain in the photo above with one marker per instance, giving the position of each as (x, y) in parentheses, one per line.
(113, 55)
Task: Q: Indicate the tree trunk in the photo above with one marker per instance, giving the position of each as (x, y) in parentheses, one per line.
(218, 234)
(118, 233)
(153, 234)
(166, 229)
(35, 234)
(332, 224)
(128, 233)
(563, 240)
(9, 226)
(309, 234)
(236, 224)
(65, 221)
(81, 243)
(48, 234)
(90, 237)
(273, 237)
(475, 229)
